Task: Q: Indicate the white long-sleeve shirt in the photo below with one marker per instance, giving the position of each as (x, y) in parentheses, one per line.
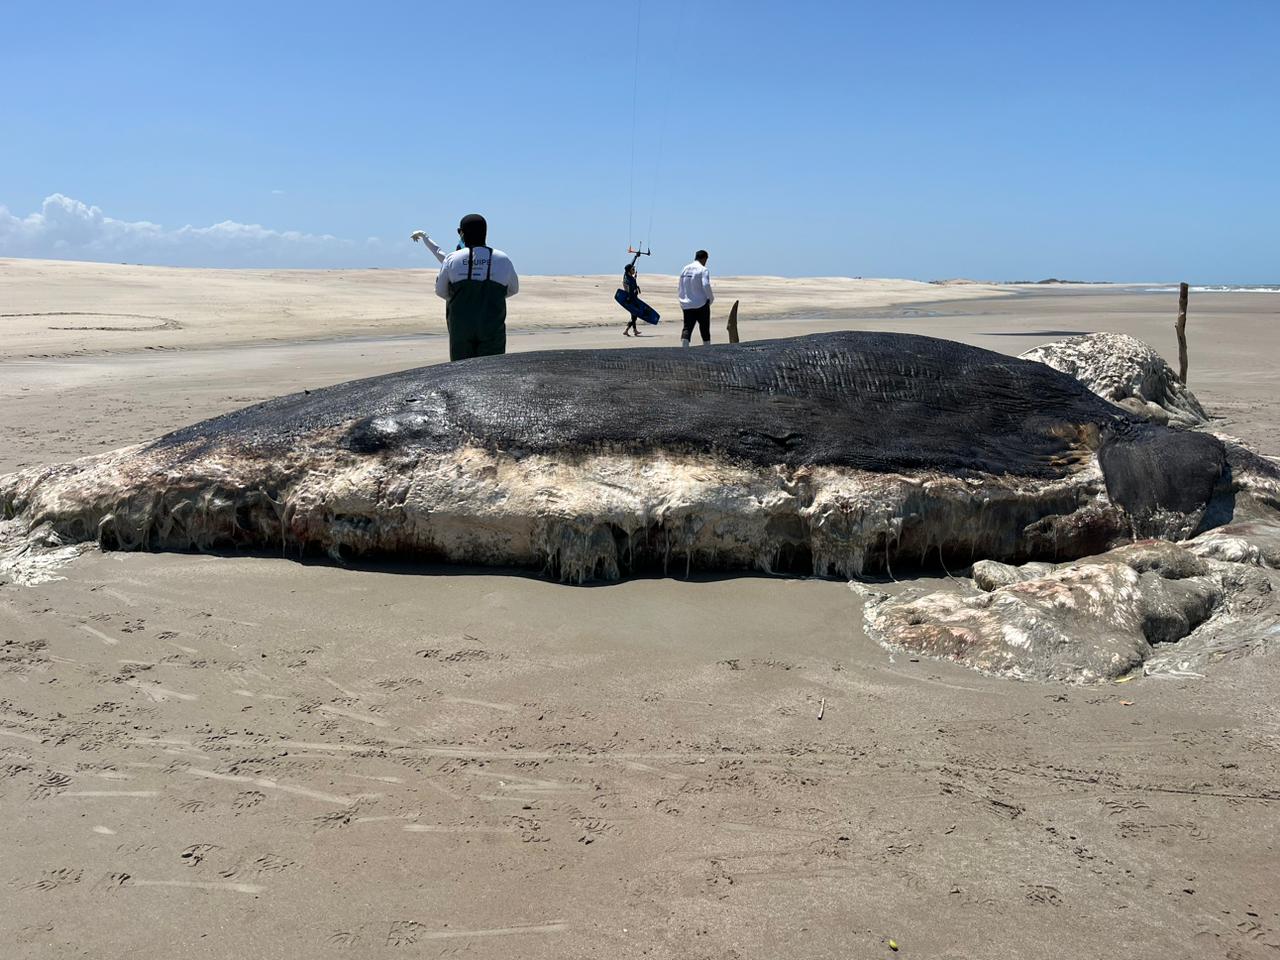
(436, 250)
(695, 287)
(454, 270)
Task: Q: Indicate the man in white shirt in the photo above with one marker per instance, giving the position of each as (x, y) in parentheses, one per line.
(475, 282)
(696, 298)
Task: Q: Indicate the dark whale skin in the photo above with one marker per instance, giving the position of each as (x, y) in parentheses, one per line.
(884, 402)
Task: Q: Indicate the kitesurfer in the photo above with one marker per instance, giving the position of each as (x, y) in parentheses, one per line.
(475, 281)
(631, 286)
(696, 298)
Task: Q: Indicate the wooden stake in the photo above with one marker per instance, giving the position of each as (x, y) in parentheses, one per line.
(733, 323)
(1181, 327)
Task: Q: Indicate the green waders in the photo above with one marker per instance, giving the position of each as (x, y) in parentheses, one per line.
(476, 314)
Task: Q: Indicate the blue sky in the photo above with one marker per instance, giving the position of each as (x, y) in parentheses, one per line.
(1115, 141)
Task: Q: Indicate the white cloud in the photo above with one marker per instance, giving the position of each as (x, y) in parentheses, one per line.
(67, 229)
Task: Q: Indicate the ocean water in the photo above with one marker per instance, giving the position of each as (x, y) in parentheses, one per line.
(1223, 288)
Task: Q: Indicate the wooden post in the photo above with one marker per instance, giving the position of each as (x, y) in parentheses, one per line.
(732, 325)
(1181, 327)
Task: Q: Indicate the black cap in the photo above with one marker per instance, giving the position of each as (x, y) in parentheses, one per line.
(473, 229)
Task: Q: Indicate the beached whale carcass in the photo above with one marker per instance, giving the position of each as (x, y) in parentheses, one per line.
(833, 453)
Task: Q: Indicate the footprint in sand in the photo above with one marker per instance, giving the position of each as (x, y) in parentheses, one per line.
(195, 854)
(343, 938)
(53, 879)
(248, 800)
(49, 785)
(271, 863)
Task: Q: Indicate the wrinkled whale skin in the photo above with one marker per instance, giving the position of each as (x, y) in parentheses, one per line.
(836, 453)
(1127, 372)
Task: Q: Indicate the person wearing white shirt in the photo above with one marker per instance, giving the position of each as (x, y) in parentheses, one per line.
(475, 281)
(696, 298)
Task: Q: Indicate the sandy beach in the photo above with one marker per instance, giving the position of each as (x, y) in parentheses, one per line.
(211, 757)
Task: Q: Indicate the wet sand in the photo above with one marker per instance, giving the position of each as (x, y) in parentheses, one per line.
(217, 756)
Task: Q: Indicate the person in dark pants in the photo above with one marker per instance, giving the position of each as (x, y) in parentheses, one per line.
(696, 298)
(631, 284)
(475, 282)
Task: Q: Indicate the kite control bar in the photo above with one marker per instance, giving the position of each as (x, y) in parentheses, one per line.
(638, 254)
